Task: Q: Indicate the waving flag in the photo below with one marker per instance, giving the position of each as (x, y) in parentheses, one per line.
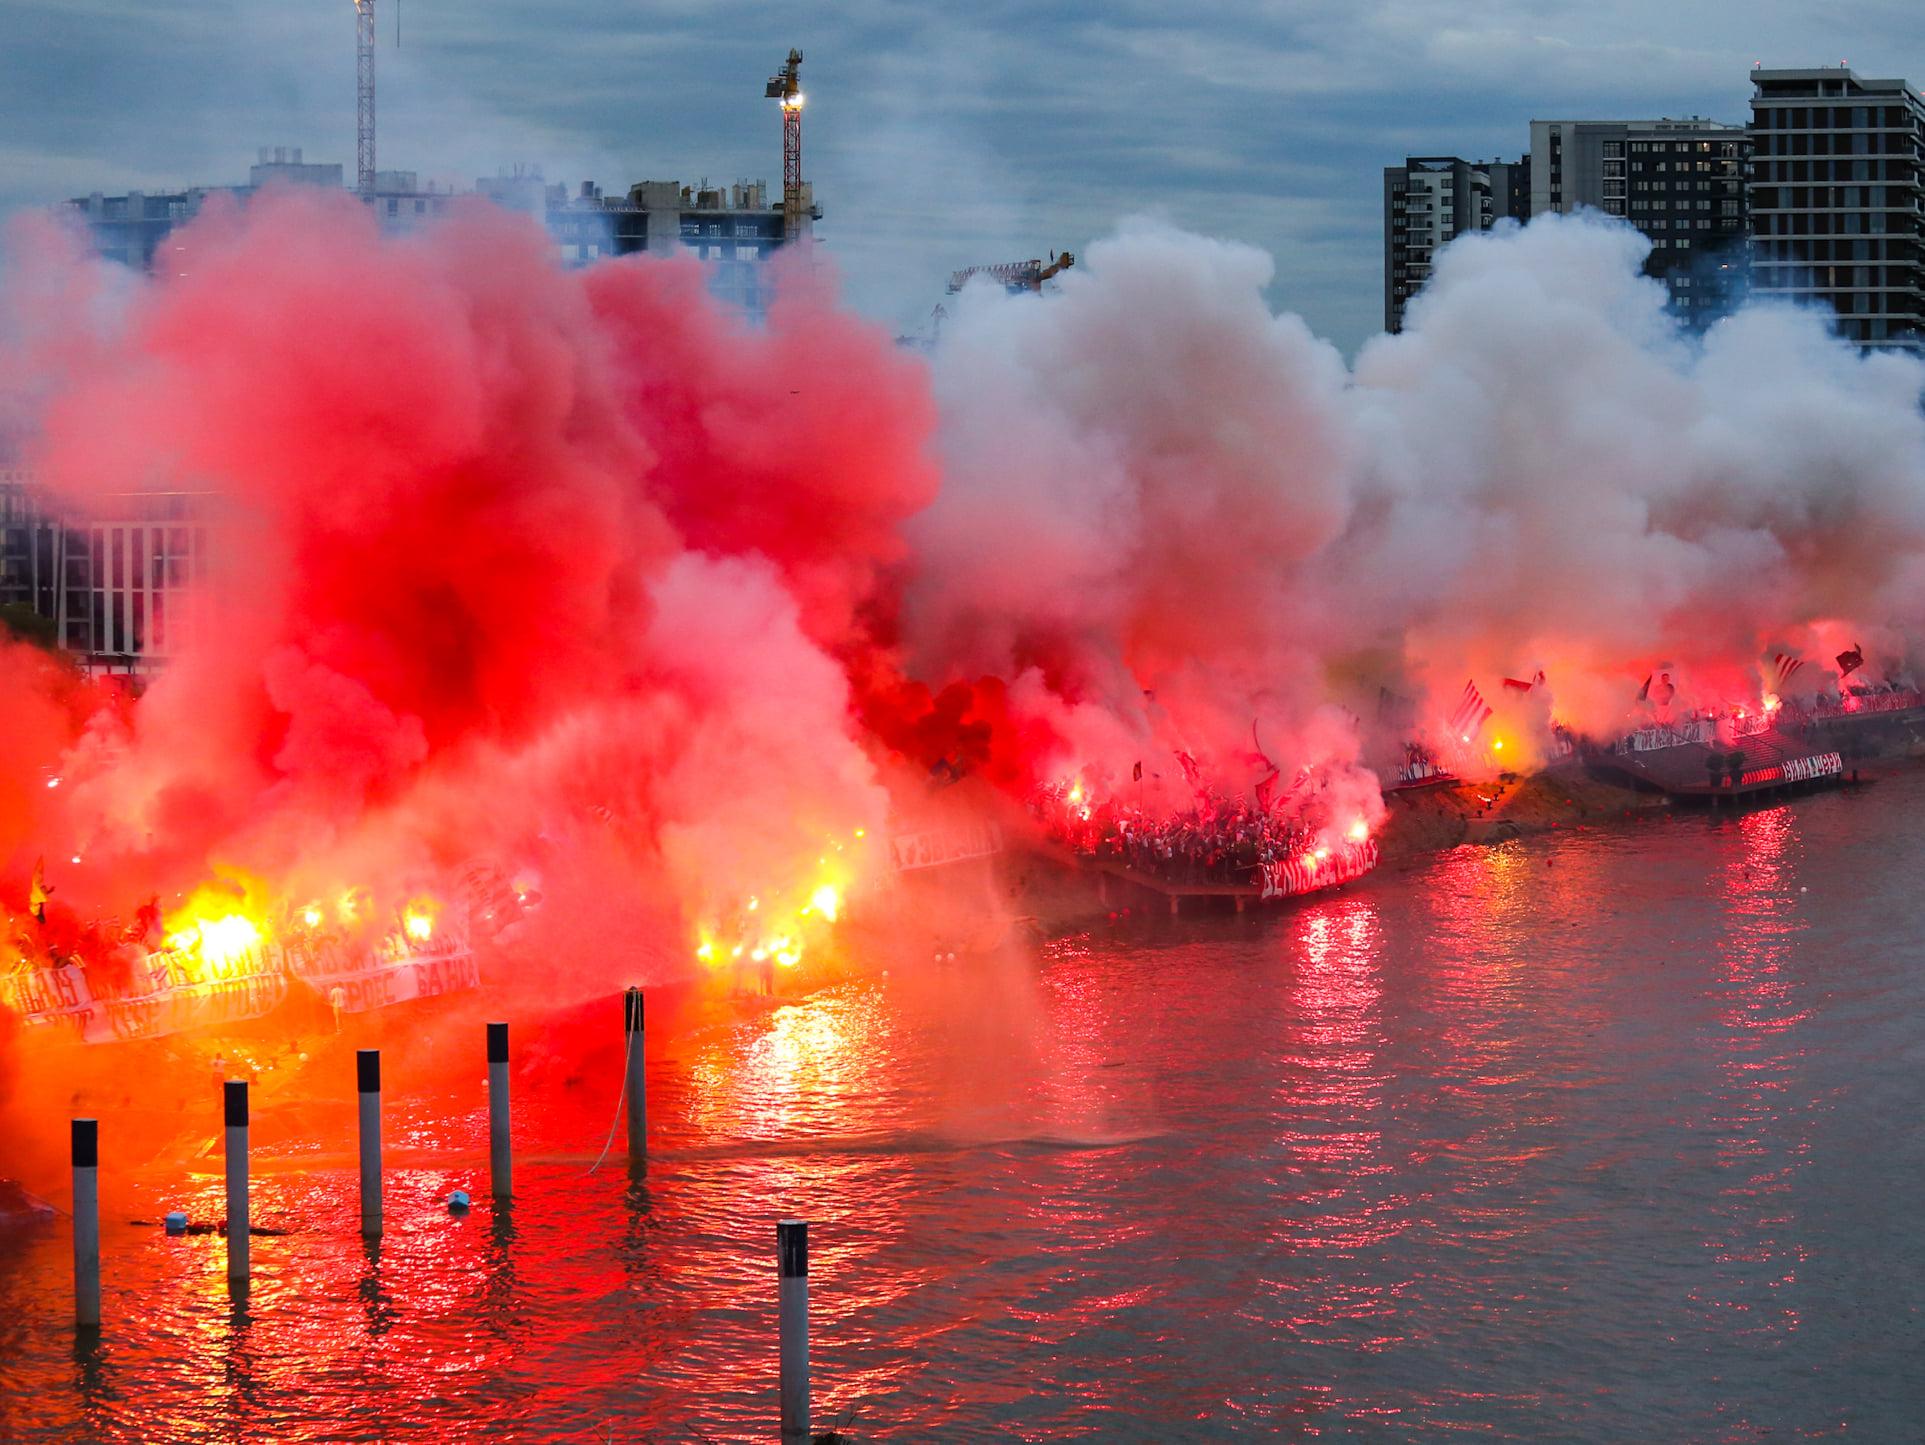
(1850, 661)
(1471, 714)
(1266, 792)
(1784, 667)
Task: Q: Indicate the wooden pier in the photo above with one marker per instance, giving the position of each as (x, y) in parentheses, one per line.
(1242, 895)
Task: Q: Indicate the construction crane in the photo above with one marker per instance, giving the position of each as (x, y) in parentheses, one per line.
(1015, 276)
(364, 96)
(786, 86)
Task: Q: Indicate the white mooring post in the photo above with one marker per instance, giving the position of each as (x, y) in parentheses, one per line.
(637, 1083)
(86, 1160)
(367, 1080)
(500, 1166)
(234, 1096)
(792, 1257)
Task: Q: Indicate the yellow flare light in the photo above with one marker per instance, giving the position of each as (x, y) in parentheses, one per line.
(221, 941)
(311, 916)
(420, 926)
(826, 900)
(1359, 831)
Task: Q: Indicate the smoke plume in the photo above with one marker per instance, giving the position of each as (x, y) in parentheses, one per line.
(575, 573)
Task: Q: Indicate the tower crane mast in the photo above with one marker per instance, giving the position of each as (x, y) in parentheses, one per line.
(786, 86)
(364, 96)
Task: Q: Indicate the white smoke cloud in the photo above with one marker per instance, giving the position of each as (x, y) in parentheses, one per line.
(1154, 483)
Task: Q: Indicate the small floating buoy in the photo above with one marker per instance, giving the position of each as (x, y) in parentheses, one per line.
(458, 1202)
(176, 1221)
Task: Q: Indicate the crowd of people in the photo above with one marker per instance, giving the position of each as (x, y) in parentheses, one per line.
(1215, 842)
(1726, 724)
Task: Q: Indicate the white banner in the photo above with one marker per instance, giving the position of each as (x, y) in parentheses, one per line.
(374, 988)
(932, 847)
(1820, 765)
(60, 999)
(1283, 877)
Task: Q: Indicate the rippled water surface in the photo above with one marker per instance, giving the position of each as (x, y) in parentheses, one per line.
(1606, 1135)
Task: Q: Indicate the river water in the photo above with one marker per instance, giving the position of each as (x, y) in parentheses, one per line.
(1609, 1134)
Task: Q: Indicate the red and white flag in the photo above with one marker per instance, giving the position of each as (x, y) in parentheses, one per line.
(1471, 715)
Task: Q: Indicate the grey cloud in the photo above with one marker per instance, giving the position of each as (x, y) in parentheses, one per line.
(937, 137)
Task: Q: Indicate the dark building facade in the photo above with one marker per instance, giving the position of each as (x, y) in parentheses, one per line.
(1429, 201)
(1681, 182)
(1836, 185)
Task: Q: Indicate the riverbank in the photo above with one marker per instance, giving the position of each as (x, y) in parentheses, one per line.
(1429, 820)
(1420, 822)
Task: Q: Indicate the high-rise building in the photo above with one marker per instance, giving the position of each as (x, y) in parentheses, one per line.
(1837, 181)
(1681, 182)
(1429, 201)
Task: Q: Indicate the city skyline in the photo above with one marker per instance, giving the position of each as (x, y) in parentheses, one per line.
(932, 144)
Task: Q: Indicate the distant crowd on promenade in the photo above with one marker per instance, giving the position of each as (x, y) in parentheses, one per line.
(1216, 841)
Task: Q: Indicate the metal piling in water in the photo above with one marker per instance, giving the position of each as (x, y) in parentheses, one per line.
(500, 1166)
(234, 1100)
(86, 1163)
(792, 1262)
(636, 1084)
(367, 1079)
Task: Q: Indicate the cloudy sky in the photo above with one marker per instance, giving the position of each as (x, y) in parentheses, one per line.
(936, 135)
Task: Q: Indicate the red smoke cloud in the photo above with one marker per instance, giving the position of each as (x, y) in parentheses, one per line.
(514, 558)
(575, 570)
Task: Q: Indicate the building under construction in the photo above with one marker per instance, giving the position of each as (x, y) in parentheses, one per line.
(734, 229)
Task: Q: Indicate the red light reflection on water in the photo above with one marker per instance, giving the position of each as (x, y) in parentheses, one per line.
(1339, 1196)
(1757, 1007)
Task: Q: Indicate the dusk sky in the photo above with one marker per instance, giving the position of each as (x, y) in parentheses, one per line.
(936, 136)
